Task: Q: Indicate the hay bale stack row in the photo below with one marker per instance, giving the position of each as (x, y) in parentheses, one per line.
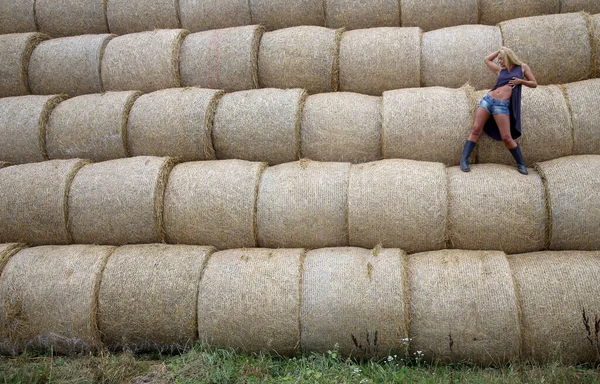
(368, 302)
(318, 59)
(69, 18)
(278, 126)
(234, 203)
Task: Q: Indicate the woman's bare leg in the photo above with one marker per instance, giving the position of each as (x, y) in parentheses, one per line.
(503, 122)
(481, 116)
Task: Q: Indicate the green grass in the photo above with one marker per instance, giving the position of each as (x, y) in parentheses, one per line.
(206, 365)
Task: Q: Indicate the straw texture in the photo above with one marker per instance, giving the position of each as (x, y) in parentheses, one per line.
(341, 126)
(562, 61)
(354, 293)
(362, 14)
(259, 125)
(427, 124)
(454, 56)
(223, 58)
(546, 125)
(4, 164)
(130, 16)
(435, 14)
(590, 6)
(15, 52)
(33, 201)
(494, 11)
(69, 65)
(148, 296)
(6, 252)
(594, 22)
(146, 61)
(71, 17)
(250, 300)
(573, 191)
(212, 202)
(583, 98)
(17, 16)
(399, 204)
(173, 122)
(276, 14)
(204, 15)
(463, 307)
(300, 57)
(495, 207)
(119, 202)
(553, 289)
(303, 204)
(375, 60)
(90, 127)
(48, 299)
(23, 122)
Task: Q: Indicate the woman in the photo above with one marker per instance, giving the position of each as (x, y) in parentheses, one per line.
(503, 103)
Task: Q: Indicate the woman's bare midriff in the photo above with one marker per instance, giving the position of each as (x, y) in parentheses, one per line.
(503, 93)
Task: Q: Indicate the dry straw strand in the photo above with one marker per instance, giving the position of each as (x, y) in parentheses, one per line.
(15, 53)
(7, 251)
(17, 16)
(71, 17)
(359, 15)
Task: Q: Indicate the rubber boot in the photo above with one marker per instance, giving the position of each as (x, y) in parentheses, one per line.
(516, 152)
(464, 161)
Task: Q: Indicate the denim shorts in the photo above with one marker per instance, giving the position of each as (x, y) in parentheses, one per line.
(495, 106)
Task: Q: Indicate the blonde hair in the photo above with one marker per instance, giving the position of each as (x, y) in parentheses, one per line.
(509, 57)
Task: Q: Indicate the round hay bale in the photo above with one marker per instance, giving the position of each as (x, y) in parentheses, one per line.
(146, 61)
(259, 125)
(33, 201)
(212, 202)
(492, 12)
(15, 52)
(435, 14)
(6, 252)
(277, 14)
(204, 15)
(590, 6)
(303, 204)
(23, 122)
(495, 207)
(362, 14)
(173, 122)
(130, 16)
(119, 201)
(300, 57)
(554, 288)
(546, 125)
(427, 124)
(250, 300)
(71, 17)
(355, 298)
(573, 191)
(375, 60)
(48, 298)
(594, 25)
(540, 42)
(583, 98)
(454, 56)
(399, 204)
(69, 65)
(148, 296)
(17, 16)
(463, 307)
(341, 126)
(223, 58)
(90, 127)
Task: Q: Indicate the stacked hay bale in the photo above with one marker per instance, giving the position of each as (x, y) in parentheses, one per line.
(276, 14)
(69, 65)
(223, 58)
(6, 252)
(197, 16)
(589, 6)
(493, 11)
(119, 201)
(582, 98)
(359, 14)
(17, 16)
(594, 23)
(173, 122)
(15, 53)
(23, 125)
(48, 298)
(92, 127)
(148, 296)
(146, 61)
(259, 125)
(257, 284)
(71, 17)
(33, 201)
(130, 16)
(434, 14)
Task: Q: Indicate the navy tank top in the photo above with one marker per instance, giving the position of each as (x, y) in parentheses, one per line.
(504, 76)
